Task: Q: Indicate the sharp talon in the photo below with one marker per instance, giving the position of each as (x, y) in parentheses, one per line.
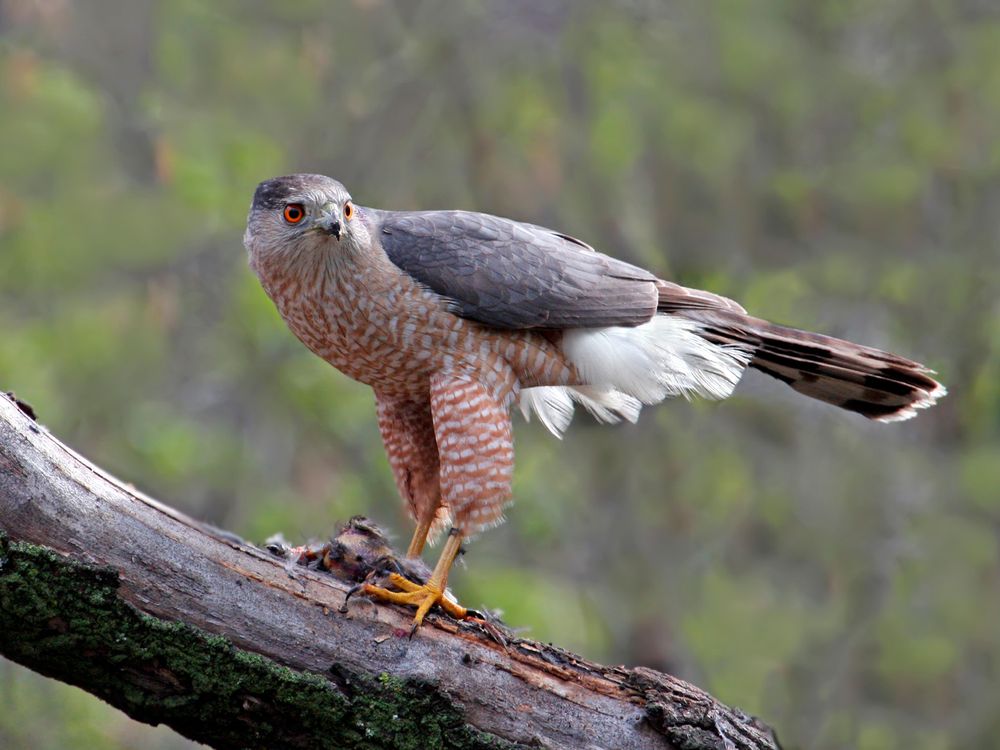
(352, 591)
(347, 597)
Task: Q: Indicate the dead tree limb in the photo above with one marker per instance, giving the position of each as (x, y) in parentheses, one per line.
(112, 591)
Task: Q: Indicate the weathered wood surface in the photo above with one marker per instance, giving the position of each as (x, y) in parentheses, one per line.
(169, 567)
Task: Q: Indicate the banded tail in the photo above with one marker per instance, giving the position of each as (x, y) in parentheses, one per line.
(876, 384)
(699, 344)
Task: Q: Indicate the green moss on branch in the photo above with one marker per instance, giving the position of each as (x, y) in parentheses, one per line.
(67, 621)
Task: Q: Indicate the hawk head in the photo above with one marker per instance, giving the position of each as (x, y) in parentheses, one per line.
(301, 214)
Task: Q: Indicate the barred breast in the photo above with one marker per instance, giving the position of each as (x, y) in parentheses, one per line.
(387, 331)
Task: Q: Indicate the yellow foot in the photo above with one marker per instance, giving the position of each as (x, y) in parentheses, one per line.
(423, 597)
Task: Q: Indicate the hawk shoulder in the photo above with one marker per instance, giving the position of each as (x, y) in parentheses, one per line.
(514, 275)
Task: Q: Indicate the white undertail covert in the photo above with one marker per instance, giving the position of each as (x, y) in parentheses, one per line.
(627, 367)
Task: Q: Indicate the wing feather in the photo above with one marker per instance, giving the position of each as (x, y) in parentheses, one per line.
(508, 274)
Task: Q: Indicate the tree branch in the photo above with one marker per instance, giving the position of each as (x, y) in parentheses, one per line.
(112, 591)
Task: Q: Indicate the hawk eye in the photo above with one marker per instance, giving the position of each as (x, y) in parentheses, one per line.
(348, 210)
(294, 213)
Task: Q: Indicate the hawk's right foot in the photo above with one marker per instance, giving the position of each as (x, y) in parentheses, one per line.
(424, 596)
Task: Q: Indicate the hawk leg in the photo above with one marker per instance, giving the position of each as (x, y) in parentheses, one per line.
(474, 447)
(419, 539)
(408, 434)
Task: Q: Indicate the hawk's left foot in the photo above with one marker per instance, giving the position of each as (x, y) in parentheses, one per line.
(424, 596)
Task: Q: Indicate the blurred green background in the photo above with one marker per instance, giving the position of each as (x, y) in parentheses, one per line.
(832, 164)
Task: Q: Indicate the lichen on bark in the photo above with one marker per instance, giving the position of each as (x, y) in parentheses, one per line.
(66, 620)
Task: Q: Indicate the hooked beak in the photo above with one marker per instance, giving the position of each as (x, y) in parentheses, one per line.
(329, 221)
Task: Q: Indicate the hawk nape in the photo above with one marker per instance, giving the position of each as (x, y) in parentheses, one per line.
(453, 317)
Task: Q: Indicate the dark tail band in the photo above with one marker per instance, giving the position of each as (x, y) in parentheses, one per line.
(878, 385)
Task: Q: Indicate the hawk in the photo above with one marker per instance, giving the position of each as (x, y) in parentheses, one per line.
(454, 317)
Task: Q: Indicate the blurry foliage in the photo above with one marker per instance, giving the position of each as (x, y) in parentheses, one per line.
(830, 164)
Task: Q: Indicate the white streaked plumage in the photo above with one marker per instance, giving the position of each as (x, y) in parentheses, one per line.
(551, 403)
(627, 367)
(554, 405)
(662, 358)
(607, 404)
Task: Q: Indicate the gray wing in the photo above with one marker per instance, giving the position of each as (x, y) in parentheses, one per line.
(508, 274)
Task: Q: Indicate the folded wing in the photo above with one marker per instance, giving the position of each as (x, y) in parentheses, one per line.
(513, 275)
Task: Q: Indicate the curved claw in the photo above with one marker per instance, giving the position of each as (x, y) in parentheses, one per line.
(351, 592)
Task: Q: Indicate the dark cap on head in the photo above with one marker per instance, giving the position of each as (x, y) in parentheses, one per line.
(276, 192)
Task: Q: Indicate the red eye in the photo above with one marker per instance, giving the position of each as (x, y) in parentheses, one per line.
(348, 210)
(294, 213)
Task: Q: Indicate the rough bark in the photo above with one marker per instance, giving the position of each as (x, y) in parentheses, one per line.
(112, 591)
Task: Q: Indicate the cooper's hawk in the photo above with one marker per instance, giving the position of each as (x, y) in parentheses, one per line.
(454, 317)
